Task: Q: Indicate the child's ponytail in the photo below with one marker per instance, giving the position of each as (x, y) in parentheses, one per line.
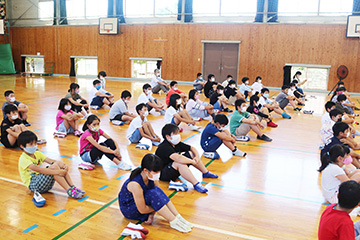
(332, 155)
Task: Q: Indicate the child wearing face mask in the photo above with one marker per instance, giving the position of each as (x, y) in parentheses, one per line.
(260, 111)
(215, 134)
(219, 101)
(293, 92)
(78, 103)
(119, 112)
(158, 84)
(37, 177)
(199, 83)
(210, 85)
(175, 114)
(91, 151)
(11, 127)
(66, 120)
(326, 132)
(334, 171)
(140, 127)
(174, 89)
(22, 108)
(98, 97)
(257, 86)
(101, 77)
(226, 82)
(232, 93)
(245, 88)
(140, 197)
(265, 101)
(242, 122)
(198, 109)
(176, 157)
(151, 103)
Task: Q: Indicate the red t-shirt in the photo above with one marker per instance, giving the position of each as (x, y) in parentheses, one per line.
(171, 92)
(335, 224)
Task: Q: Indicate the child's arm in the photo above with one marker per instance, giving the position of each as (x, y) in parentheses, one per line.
(138, 195)
(48, 171)
(178, 117)
(100, 94)
(117, 150)
(224, 137)
(301, 95)
(351, 142)
(59, 163)
(302, 82)
(196, 154)
(12, 132)
(67, 116)
(180, 159)
(143, 134)
(98, 146)
(349, 104)
(343, 177)
(74, 102)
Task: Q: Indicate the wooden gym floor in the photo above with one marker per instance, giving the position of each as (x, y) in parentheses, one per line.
(273, 193)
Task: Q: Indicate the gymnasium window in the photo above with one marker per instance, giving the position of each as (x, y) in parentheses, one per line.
(315, 7)
(46, 10)
(86, 66)
(317, 77)
(224, 7)
(150, 8)
(81, 9)
(143, 68)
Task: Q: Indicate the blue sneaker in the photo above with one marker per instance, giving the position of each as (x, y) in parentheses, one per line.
(38, 200)
(142, 146)
(200, 188)
(211, 155)
(285, 115)
(208, 174)
(178, 186)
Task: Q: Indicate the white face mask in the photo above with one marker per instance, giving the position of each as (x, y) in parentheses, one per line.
(175, 88)
(67, 107)
(220, 128)
(179, 101)
(77, 91)
(175, 139)
(155, 177)
(221, 92)
(14, 117)
(149, 92)
(246, 83)
(348, 134)
(95, 129)
(243, 109)
(212, 79)
(12, 99)
(127, 101)
(158, 75)
(146, 113)
(102, 78)
(259, 81)
(232, 86)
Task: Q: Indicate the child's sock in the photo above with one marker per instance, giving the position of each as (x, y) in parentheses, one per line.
(357, 133)
(234, 149)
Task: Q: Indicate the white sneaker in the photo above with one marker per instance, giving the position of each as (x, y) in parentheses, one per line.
(95, 107)
(154, 113)
(124, 166)
(197, 119)
(117, 122)
(59, 134)
(242, 138)
(239, 153)
(38, 200)
(195, 128)
(209, 118)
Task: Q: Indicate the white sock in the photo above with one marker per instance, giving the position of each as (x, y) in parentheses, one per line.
(357, 133)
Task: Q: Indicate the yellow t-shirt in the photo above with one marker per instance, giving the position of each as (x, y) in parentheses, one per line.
(25, 161)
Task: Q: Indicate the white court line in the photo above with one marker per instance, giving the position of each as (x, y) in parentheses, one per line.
(117, 208)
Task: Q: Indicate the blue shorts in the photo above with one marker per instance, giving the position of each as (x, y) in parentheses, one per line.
(135, 137)
(97, 101)
(217, 106)
(62, 128)
(211, 145)
(173, 121)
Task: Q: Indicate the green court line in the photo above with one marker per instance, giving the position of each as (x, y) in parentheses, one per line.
(284, 149)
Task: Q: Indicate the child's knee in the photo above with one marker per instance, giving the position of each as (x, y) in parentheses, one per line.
(54, 166)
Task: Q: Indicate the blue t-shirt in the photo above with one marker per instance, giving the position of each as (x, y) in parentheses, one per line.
(208, 134)
(334, 140)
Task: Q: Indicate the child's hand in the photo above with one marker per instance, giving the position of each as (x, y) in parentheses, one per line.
(86, 105)
(117, 153)
(196, 160)
(62, 172)
(157, 139)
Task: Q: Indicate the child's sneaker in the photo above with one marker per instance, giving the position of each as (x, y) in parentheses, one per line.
(85, 166)
(59, 134)
(95, 107)
(26, 123)
(77, 133)
(38, 200)
(41, 141)
(285, 115)
(142, 146)
(162, 112)
(196, 118)
(209, 118)
(242, 138)
(211, 155)
(228, 110)
(178, 186)
(308, 112)
(208, 174)
(264, 138)
(155, 143)
(77, 189)
(200, 188)
(117, 122)
(74, 194)
(272, 124)
(124, 166)
(181, 129)
(239, 153)
(297, 109)
(194, 128)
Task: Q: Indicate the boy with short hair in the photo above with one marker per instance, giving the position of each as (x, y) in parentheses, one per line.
(11, 127)
(284, 99)
(242, 122)
(38, 178)
(140, 127)
(176, 157)
(271, 105)
(335, 222)
(22, 108)
(297, 96)
(245, 88)
(210, 85)
(199, 82)
(344, 104)
(226, 82)
(326, 129)
(215, 134)
(98, 96)
(232, 93)
(325, 119)
(150, 102)
(157, 83)
(174, 89)
(219, 101)
(119, 112)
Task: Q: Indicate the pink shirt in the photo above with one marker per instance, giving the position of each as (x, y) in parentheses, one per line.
(59, 119)
(85, 145)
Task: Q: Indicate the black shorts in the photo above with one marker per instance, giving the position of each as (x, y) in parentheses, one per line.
(169, 173)
(118, 117)
(5, 142)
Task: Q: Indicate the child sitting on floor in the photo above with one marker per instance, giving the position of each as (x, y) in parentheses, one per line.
(22, 108)
(284, 99)
(199, 83)
(232, 93)
(119, 112)
(245, 88)
(66, 120)
(198, 109)
(219, 101)
(141, 198)
(174, 89)
(38, 178)
(262, 112)
(176, 157)
(151, 103)
(99, 97)
(175, 114)
(210, 85)
(242, 122)
(265, 101)
(257, 86)
(140, 127)
(78, 103)
(215, 134)
(91, 151)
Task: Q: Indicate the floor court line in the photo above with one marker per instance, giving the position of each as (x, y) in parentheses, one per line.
(276, 148)
(30, 228)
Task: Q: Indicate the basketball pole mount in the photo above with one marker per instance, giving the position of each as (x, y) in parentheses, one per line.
(342, 73)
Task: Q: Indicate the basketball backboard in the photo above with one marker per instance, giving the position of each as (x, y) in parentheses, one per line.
(2, 30)
(108, 26)
(353, 27)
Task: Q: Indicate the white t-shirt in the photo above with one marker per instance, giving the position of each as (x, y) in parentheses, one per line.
(169, 114)
(225, 83)
(256, 87)
(155, 81)
(326, 132)
(135, 124)
(192, 104)
(103, 82)
(92, 94)
(325, 119)
(119, 107)
(244, 88)
(329, 182)
(143, 98)
(291, 92)
(264, 101)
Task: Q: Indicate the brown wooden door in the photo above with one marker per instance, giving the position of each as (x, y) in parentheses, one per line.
(221, 59)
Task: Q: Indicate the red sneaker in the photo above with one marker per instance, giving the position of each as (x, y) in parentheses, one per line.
(181, 129)
(272, 124)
